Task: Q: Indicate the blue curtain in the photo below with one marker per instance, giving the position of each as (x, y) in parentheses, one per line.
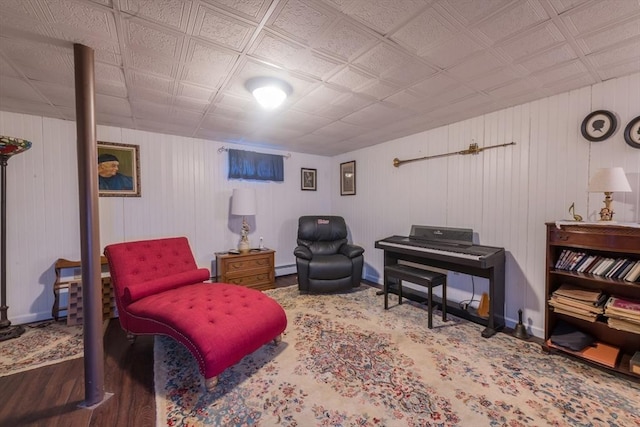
(257, 166)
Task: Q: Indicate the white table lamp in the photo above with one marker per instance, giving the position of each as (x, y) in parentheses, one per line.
(243, 202)
(608, 181)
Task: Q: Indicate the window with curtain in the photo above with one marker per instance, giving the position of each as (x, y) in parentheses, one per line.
(257, 166)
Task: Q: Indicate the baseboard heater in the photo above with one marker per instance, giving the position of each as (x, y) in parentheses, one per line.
(284, 270)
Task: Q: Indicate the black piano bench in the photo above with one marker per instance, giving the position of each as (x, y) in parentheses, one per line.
(426, 278)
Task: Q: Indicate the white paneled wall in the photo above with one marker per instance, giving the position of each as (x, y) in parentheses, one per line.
(185, 191)
(504, 194)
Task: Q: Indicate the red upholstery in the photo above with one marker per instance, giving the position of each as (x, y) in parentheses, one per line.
(160, 290)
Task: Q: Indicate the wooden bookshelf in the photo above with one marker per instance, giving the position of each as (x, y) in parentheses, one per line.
(612, 240)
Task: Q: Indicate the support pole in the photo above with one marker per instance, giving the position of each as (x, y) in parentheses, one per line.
(89, 225)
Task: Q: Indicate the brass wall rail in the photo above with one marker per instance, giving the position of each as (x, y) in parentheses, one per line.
(473, 149)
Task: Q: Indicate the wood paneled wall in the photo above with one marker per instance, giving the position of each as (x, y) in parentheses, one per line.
(185, 191)
(505, 195)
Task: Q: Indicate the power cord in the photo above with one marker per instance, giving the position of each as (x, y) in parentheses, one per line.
(464, 304)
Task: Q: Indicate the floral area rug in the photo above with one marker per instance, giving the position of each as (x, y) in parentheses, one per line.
(41, 344)
(345, 361)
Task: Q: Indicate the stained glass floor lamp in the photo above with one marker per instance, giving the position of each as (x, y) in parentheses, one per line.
(8, 147)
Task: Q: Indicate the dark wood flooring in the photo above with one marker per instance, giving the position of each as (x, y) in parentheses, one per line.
(53, 395)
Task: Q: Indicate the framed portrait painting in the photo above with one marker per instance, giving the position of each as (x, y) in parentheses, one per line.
(118, 170)
(348, 178)
(308, 179)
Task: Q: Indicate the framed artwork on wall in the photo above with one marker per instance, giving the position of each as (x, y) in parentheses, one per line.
(599, 125)
(348, 178)
(118, 170)
(308, 179)
(632, 133)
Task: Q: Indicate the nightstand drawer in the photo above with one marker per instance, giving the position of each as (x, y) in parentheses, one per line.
(254, 269)
(256, 281)
(261, 263)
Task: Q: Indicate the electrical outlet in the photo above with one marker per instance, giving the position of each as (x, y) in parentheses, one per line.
(465, 306)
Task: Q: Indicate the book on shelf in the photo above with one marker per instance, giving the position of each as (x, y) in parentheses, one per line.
(609, 272)
(601, 265)
(587, 307)
(602, 353)
(634, 273)
(622, 271)
(567, 311)
(561, 258)
(579, 258)
(595, 265)
(567, 259)
(575, 292)
(634, 320)
(623, 325)
(618, 266)
(583, 267)
(604, 267)
(623, 305)
(610, 265)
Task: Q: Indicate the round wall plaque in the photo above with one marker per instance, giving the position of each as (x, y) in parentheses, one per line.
(599, 125)
(632, 133)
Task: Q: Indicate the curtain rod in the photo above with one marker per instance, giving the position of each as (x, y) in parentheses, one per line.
(223, 148)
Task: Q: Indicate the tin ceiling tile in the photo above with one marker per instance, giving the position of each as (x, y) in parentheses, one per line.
(222, 29)
(302, 20)
(385, 15)
(172, 13)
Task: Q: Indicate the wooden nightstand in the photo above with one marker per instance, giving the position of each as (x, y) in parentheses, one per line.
(255, 269)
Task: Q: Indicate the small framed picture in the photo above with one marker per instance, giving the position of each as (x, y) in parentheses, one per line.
(599, 125)
(118, 170)
(308, 179)
(348, 178)
(632, 133)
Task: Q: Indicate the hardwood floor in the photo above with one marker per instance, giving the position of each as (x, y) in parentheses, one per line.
(52, 395)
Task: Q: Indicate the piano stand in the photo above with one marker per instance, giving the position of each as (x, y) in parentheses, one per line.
(490, 267)
(489, 332)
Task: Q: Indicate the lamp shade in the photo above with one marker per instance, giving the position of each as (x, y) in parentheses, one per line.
(609, 180)
(243, 201)
(10, 146)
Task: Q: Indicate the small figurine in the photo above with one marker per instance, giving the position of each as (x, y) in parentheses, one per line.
(572, 211)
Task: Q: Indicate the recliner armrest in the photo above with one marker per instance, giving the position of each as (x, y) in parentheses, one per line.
(351, 251)
(302, 252)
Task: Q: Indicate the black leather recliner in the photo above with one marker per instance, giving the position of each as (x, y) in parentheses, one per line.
(324, 259)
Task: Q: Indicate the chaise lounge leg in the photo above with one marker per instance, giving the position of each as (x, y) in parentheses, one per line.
(210, 383)
(277, 340)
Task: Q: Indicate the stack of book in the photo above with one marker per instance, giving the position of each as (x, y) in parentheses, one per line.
(623, 314)
(577, 302)
(615, 268)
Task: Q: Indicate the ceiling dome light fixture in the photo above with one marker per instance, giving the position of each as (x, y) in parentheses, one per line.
(270, 92)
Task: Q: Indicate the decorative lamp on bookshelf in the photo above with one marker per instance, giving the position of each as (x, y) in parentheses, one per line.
(608, 181)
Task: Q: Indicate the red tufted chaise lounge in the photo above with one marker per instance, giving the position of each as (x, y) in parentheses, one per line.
(160, 290)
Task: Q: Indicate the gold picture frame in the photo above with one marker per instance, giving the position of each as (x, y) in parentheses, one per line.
(118, 170)
(348, 178)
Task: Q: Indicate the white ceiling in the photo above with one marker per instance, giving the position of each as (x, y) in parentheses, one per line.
(363, 71)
